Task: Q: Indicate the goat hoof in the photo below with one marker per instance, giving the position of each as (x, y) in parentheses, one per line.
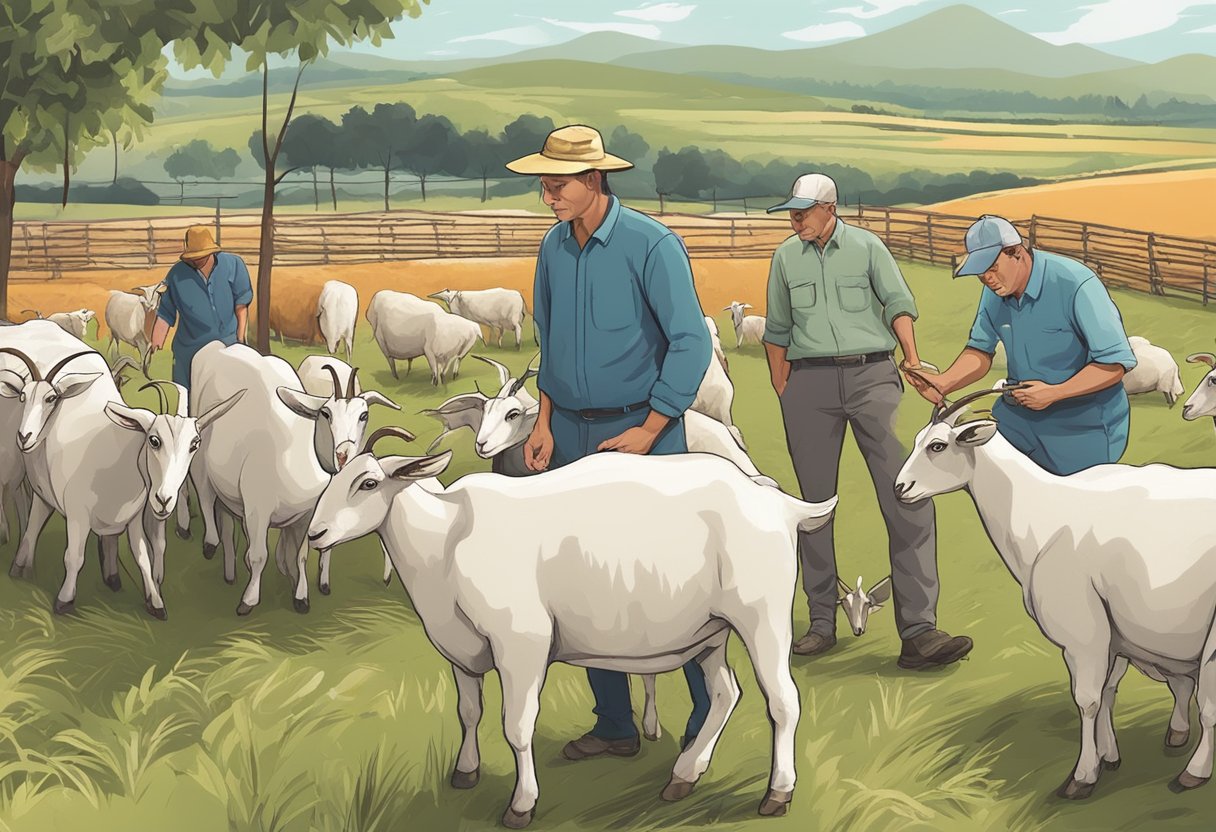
(158, 613)
(465, 779)
(209, 550)
(388, 580)
(1111, 765)
(64, 607)
(324, 588)
(1177, 739)
(16, 571)
(514, 820)
(114, 582)
(677, 789)
(243, 609)
(1075, 790)
(775, 803)
(229, 581)
(184, 534)
(1186, 781)
(650, 736)
(301, 604)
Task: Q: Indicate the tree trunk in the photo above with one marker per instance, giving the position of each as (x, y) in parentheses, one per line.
(316, 194)
(182, 185)
(485, 184)
(265, 261)
(333, 193)
(386, 208)
(67, 173)
(114, 138)
(422, 183)
(8, 198)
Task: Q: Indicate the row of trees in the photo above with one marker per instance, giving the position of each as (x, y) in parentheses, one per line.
(78, 74)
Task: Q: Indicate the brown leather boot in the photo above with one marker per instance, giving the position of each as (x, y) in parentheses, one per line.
(812, 644)
(588, 746)
(933, 648)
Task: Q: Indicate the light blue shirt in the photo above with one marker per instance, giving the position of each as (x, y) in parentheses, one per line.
(204, 310)
(1064, 320)
(619, 321)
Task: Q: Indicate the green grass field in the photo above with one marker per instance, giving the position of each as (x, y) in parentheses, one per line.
(344, 719)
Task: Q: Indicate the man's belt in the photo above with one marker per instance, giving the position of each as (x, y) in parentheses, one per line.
(609, 412)
(840, 360)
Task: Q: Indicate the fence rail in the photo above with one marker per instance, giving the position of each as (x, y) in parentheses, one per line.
(1142, 260)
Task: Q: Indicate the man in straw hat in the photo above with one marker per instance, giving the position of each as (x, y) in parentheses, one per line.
(624, 347)
(209, 290)
(1064, 343)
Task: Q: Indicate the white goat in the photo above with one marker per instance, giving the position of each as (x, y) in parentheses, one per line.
(716, 393)
(1116, 564)
(699, 532)
(1155, 369)
(339, 411)
(405, 327)
(260, 464)
(99, 463)
(127, 316)
(1202, 401)
(499, 309)
(74, 323)
(747, 327)
(858, 604)
(337, 310)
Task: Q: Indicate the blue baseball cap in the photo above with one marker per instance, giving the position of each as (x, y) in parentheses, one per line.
(986, 238)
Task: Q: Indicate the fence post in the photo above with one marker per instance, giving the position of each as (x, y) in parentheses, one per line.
(324, 245)
(1205, 284)
(435, 229)
(1154, 273)
(25, 234)
(732, 235)
(1085, 243)
(1034, 228)
(929, 233)
(886, 213)
(152, 246)
(46, 252)
(498, 237)
(218, 240)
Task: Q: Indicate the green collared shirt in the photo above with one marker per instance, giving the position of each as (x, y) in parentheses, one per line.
(840, 300)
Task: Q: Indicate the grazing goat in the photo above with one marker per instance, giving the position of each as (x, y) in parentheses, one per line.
(1115, 563)
(705, 551)
(337, 310)
(104, 466)
(747, 327)
(858, 604)
(1202, 401)
(129, 317)
(716, 393)
(1155, 370)
(74, 323)
(260, 465)
(499, 309)
(405, 327)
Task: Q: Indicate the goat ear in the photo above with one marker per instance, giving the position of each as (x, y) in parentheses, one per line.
(11, 384)
(1202, 358)
(301, 403)
(161, 288)
(747, 306)
(372, 397)
(131, 418)
(974, 434)
(207, 419)
(419, 467)
(73, 384)
(880, 593)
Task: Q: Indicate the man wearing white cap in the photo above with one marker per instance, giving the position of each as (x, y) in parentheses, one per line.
(1064, 343)
(837, 306)
(624, 347)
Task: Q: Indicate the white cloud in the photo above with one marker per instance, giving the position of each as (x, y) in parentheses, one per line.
(441, 52)
(820, 32)
(877, 8)
(641, 30)
(659, 12)
(1206, 30)
(518, 35)
(1011, 11)
(1114, 20)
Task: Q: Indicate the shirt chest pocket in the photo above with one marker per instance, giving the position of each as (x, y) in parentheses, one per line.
(613, 303)
(854, 293)
(803, 297)
(1057, 344)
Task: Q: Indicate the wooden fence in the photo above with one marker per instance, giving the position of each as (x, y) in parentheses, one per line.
(1141, 260)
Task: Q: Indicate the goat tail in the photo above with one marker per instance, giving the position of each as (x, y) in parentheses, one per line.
(737, 435)
(812, 516)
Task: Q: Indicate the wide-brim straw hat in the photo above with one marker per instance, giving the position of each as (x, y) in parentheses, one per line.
(199, 242)
(569, 150)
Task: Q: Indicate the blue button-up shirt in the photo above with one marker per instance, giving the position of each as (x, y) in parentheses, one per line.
(203, 308)
(619, 321)
(1064, 320)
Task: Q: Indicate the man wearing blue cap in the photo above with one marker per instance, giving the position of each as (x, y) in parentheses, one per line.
(1064, 342)
(837, 307)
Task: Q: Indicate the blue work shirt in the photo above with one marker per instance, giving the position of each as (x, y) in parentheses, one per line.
(206, 307)
(619, 321)
(1064, 320)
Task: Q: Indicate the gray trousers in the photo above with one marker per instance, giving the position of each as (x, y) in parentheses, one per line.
(817, 404)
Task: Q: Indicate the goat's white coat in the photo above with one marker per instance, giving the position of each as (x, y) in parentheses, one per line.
(74, 323)
(716, 393)
(1155, 370)
(405, 327)
(705, 549)
(337, 310)
(1202, 401)
(499, 309)
(126, 314)
(747, 327)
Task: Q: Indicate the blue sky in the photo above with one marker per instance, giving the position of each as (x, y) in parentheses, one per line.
(1147, 30)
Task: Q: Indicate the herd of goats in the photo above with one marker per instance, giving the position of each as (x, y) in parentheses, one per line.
(510, 570)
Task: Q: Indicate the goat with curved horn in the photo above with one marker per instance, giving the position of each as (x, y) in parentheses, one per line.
(55, 370)
(160, 393)
(29, 362)
(333, 371)
(37, 315)
(383, 433)
(519, 382)
(350, 383)
(504, 372)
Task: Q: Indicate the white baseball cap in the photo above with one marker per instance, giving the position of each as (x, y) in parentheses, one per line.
(809, 189)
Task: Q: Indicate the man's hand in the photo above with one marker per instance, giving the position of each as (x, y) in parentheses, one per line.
(1036, 395)
(923, 380)
(538, 448)
(779, 384)
(637, 440)
(153, 347)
